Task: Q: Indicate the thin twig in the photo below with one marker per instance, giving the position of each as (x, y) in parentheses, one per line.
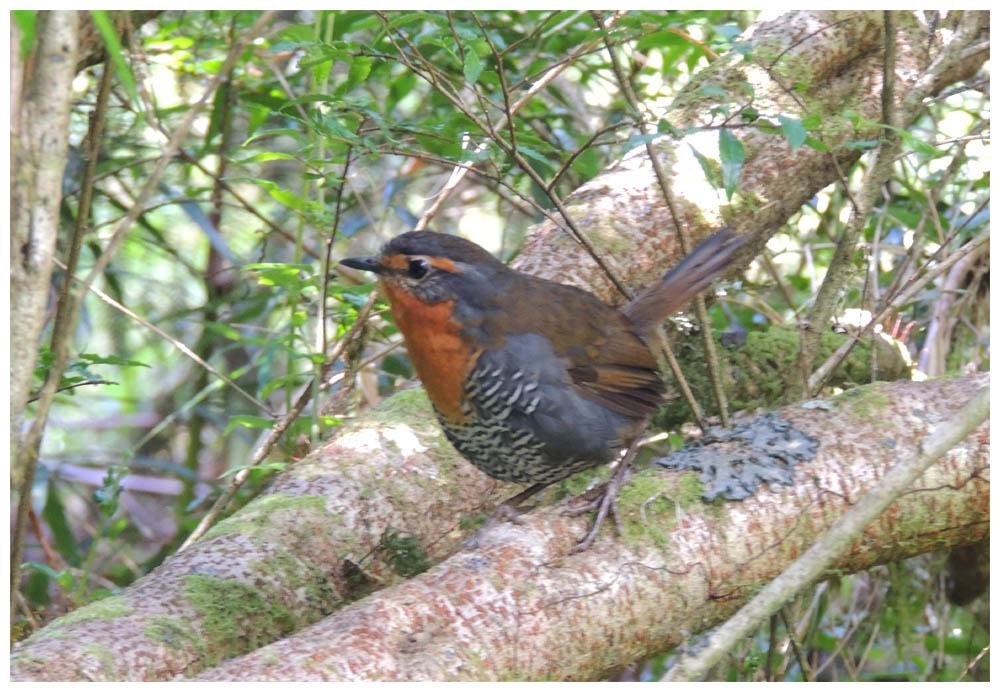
(807, 674)
(842, 641)
(338, 207)
(504, 89)
(246, 204)
(979, 656)
(772, 642)
(786, 292)
(818, 379)
(933, 195)
(895, 300)
(33, 399)
(582, 148)
(878, 172)
(54, 559)
(666, 353)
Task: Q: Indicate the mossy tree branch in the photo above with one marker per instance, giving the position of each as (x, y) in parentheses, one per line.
(388, 497)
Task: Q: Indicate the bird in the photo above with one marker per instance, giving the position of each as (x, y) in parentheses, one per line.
(532, 380)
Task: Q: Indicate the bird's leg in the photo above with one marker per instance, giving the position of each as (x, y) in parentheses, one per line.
(607, 502)
(507, 510)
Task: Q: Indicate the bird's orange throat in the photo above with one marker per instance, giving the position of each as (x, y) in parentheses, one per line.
(441, 357)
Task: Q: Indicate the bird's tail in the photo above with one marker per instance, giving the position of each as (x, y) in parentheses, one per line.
(679, 285)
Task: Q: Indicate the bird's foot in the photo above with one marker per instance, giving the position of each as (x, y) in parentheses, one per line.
(605, 503)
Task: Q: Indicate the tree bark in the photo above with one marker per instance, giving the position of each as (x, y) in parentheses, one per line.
(38, 141)
(519, 608)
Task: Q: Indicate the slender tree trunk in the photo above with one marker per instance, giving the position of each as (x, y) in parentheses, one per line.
(38, 142)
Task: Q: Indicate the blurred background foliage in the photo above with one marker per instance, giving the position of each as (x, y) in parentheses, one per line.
(322, 143)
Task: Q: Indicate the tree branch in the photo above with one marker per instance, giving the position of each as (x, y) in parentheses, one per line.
(837, 63)
(518, 606)
(835, 542)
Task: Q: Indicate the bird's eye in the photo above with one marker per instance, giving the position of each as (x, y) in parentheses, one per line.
(418, 268)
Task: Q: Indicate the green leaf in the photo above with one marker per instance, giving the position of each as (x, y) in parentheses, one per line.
(219, 113)
(399, 88)
(660, 39)
(338, 131)
(272, 132)
(864, 144)
(113, 47)
(248, 422)
(816, 144)
(825, 642)
(361, 67)
(26, 23)
(279, 274)
(37, 588)
(278, 382)
(296, 33)
(918, 144)
(321, 70)
(732, 155)
(210, 66)
(116, 528)
(543, 162)
(223, 330)
(272, 466)
(55, 516)
(95, 359)
(473, 66)
(812, 121)
(258, 115)
(46, 570)
(711, 174)
(714, 91)
(106, 496)
(265, 156)
(588, 163)
(290, 199)
(665, 127)
(43, 362)
(794, 129)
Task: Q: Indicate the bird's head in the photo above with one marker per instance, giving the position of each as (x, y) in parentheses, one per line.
(432, 268)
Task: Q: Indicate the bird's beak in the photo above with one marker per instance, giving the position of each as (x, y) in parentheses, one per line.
(368, 264)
